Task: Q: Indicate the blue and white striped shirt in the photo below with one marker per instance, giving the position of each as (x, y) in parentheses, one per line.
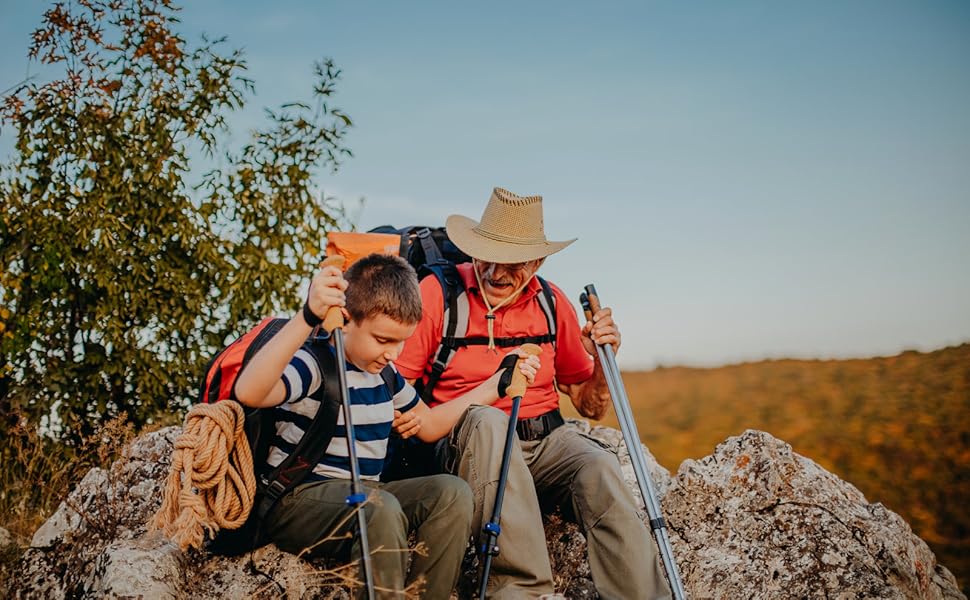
(372, 411)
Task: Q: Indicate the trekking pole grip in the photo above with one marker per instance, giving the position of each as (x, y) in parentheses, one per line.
(584, 302)
(518, 385)
(334, 317)
(594, 301)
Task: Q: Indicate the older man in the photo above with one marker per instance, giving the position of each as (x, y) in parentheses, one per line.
(554, 464)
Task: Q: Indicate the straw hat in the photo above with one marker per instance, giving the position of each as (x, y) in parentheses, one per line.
(510, 230)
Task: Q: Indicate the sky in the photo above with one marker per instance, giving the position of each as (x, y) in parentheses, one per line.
(747, 180)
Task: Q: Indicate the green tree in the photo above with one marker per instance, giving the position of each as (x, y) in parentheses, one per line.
(118, 277)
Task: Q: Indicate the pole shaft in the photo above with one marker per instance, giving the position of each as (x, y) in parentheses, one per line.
(503, 477)
(631, 437)
(355, 485)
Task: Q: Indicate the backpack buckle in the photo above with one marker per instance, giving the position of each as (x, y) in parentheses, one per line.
(275, 489)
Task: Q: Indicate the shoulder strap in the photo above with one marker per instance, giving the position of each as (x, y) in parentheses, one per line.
(390, 378)
(547, 300)
(454, 322)
(431, 254)
(313, 445)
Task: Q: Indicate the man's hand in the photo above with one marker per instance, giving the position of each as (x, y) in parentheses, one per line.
(528, 366)
(326, 290)
(601, 330)
(406, 424)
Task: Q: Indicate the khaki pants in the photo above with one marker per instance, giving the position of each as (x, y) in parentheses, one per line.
(437, 508)
(573, 471)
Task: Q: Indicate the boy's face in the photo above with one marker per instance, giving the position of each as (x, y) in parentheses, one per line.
(374, 342)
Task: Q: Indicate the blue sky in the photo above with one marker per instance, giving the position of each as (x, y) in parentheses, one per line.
(747, 179)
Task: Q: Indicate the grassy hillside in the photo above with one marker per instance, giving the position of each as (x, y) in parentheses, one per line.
(898, 428)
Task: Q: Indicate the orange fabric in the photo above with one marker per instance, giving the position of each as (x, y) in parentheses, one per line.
(230, 363)
(353, 245)
(568, 362)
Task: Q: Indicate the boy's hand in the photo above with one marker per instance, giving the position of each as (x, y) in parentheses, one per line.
(406, 424)
(326, 290)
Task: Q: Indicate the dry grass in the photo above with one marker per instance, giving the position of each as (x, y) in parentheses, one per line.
(37, 473)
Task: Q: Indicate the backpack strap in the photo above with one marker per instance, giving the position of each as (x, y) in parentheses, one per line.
(454, 320)
(547, 300)
(432, 256)
(390, 378)
(313, 445)
(454, 343)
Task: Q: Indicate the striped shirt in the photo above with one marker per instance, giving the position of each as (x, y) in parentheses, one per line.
(372, 408)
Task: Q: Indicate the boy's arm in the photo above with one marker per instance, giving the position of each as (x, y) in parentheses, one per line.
(259, 384)
(432, 424)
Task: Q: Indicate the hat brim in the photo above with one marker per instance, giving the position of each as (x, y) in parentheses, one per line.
(461, 231)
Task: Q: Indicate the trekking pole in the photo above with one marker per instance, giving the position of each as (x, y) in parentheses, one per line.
(333, 322)
(591, 304)
(492, 529)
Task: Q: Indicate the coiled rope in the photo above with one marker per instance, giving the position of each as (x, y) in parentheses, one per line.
(211, 484)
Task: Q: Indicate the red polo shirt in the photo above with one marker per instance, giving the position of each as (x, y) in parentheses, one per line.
(568, 362)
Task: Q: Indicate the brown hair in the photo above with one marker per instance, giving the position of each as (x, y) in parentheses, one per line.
(380, 284)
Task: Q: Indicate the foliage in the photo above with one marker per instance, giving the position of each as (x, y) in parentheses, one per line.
(118, 278)
(898, 428)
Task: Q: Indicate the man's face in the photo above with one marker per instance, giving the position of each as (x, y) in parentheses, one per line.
(501, 281)
(374, 342)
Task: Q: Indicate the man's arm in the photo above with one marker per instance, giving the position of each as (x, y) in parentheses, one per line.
(432, 424)
(591, 397)
(259, 384)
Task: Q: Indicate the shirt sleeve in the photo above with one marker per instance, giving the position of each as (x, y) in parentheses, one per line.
(420, 347)
(573, 363)
(301, 377)
(405, 396)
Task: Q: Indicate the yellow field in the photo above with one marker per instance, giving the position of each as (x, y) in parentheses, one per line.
(898, 428)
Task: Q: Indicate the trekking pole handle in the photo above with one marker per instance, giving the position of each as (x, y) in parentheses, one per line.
(593, 299)
(335, 316)
(518, 385)
(587, 311)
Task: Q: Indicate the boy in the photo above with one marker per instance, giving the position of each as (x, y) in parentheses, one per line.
(381, 295)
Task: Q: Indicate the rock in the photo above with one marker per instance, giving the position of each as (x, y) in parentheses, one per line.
(756, 520)
(68, 518)
(108, 506)
(753, 520)
(150, 567)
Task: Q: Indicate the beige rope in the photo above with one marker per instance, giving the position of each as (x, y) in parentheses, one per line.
(211, 484)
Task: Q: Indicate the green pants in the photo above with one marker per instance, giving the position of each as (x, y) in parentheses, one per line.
(577, 474)
(437, 508)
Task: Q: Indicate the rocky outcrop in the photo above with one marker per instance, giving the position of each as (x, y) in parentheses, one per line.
(752, 520)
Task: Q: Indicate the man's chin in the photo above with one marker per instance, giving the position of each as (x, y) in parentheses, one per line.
(496, 295)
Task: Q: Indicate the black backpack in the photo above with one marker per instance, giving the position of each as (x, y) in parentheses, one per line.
(272, 483)
(431, 252)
